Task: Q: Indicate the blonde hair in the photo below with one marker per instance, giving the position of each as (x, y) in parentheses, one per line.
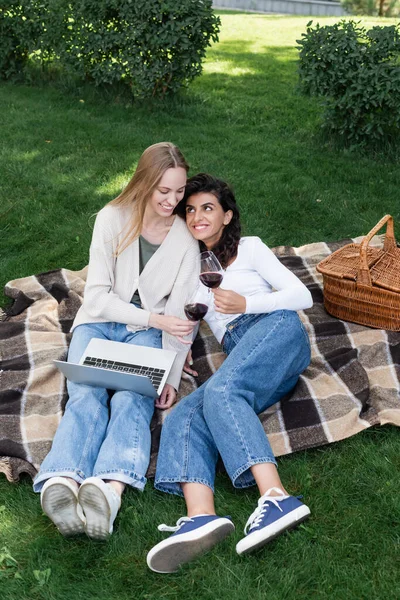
(153, 163)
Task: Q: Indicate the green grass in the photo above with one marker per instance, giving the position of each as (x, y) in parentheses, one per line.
(66, 150)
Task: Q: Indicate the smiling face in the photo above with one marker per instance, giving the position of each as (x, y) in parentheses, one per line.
(168, 193)
(206, 218)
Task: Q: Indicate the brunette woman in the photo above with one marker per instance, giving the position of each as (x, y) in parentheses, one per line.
(253, 315)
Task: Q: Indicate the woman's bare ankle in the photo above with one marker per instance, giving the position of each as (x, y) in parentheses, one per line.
(267, 478)
(196, 511)
(199, 499)
(118, 486)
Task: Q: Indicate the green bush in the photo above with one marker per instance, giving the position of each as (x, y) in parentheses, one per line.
(19, 33)
(153, 46)
(357, 73)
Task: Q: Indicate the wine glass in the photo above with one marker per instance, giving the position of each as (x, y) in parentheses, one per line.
(194, 310)
(211, 273)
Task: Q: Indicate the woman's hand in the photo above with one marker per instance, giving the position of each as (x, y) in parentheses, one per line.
(229, 302)
(173, 325)
(188, 364)
(167, 398)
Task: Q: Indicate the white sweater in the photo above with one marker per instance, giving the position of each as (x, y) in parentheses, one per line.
(165, 283)
(262, 279)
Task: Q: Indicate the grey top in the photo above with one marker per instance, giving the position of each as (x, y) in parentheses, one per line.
(146, 251)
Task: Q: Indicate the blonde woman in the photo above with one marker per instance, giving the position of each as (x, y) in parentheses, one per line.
(142, 267)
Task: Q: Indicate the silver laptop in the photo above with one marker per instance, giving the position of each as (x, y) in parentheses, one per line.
(119, 366)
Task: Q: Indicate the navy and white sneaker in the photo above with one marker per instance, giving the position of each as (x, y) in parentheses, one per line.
(192, 537)
(273, 516)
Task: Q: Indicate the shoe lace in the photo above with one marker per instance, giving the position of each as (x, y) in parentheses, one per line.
(262, 506)
(176, 527)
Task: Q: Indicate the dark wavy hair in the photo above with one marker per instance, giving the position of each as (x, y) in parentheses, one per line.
(226, 248)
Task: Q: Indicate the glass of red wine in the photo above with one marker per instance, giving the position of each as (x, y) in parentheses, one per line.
(211, 272)
(195, 311)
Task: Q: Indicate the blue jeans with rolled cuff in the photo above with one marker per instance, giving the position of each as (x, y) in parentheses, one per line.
(99, 436)
(266, 355)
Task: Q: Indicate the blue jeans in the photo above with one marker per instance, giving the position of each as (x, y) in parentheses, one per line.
(97, 436)
(266, 354)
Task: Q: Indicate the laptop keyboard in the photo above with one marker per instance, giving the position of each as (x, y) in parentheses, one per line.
(155, 375)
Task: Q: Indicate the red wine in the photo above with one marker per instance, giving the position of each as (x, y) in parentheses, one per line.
(195, 312)
(211, 279)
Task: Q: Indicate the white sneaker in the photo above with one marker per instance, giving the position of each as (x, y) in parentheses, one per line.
(59, 500)
(100, 503)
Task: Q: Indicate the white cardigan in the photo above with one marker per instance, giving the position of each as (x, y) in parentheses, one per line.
(165, 283)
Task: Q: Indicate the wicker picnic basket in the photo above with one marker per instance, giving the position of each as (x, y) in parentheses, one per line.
(362, 283)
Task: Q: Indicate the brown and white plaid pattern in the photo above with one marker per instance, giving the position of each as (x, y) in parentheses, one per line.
(353, 381)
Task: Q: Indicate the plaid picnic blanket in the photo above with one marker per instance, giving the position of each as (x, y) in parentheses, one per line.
(352, 383)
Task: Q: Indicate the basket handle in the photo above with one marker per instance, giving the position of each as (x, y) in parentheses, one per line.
(364, 276)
